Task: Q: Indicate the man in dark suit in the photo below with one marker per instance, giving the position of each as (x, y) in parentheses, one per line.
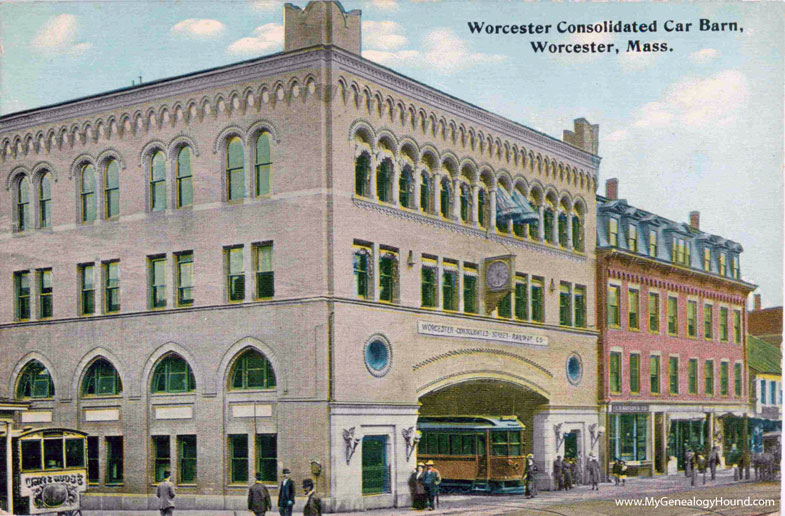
(557, 473)
(258, 497)
(714, 460)
(165, 494)
(286, 494)
(313, 504)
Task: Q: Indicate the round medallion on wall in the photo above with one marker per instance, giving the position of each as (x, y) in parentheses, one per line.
(378, 355)
(574, 369)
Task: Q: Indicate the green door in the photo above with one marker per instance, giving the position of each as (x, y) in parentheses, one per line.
(570, 445)
(375, 472)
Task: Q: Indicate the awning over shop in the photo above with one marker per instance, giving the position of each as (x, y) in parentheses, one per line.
(686, 416)
(515, 208)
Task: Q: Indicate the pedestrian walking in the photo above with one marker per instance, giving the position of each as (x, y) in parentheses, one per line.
(616, 470)
(557, 474)
(714, 460)
(313, 504)
(530, 482)
(693, 468)
(165, 494)
(286, 494)
(566, 468)
(259, 497)
(430, 481)
(594, 472)
(418, 490)
(623, 472)
(700, 462)
(688, 455)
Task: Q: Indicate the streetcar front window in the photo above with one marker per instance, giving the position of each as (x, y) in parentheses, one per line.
(53, 454)
(31, 454)
(74, 453)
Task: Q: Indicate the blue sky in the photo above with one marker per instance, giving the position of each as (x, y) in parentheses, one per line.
(696, 128)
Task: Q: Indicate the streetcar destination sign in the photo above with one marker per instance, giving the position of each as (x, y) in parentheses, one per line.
(462, 332)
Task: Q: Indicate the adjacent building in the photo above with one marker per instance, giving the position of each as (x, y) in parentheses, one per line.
(284, 262)
(672, 316)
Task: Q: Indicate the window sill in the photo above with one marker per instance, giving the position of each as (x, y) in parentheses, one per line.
(114, 484)
(187, 485)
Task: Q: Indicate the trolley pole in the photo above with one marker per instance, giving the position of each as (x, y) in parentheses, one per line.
(9, 469)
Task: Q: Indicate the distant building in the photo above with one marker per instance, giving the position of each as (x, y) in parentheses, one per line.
(671, 310)
(765, 365)
(766, 323)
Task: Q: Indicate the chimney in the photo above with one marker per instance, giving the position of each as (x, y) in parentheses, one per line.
(321, 22)
(584, 135)
(756, 302)
(612, 189)
(695, 220)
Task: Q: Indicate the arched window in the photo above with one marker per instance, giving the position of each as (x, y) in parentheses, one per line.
(425, 193)
(23, 204)
(35, 382)
(264, 164)
(252, 371)
(111, 190)
(158, 182)
(534, 225)
(482, 201)
(405, 187)
(547, 224)
(101, 379)
(466, 202)
(444, 198)
(383, 181)
(577, 233)
(45, 201)
(362, 167)
(235, 170)
(563, 229)
(173, 374)
(185, 189)
(88, 193)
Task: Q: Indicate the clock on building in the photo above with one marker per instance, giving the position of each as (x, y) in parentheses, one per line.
(497, 275)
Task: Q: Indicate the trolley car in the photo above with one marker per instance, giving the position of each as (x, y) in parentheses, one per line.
(475, 453)
(49, 471)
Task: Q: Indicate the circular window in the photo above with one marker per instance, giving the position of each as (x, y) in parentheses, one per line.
(377, 356)
(574, 369)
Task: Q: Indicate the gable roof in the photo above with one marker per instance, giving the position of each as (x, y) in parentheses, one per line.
(763, 357)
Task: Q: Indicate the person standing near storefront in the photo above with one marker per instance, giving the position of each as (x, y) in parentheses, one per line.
(714, 459)
(557, 475)
(165, 494)
(594, 472)
(286, 494)
(430, 481)
(258, 497)
(313, 504)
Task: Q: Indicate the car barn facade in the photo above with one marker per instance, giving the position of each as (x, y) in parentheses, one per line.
(283, 263)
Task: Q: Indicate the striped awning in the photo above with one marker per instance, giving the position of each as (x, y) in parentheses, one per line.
(515, 208)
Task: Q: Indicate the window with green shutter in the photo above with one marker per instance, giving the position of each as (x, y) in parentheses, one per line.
(45, 306)
(522, 299)
(504, 308)
(538, 299)
(708, 371)
(673, 374)
(22, 295)
(654, 312)
(614, 370)
(362, 167)
(673, 315)
(654, 374)
(186, 457)
(613, 306)
(635, 373)
(737, 379)
(267, 456)
(693, 375)
(428, 286)
(238, 461)
(565, 304)
(449, 289)
(708, 322)
(633, 309)
(388, 275)
(162, 461)
(470, 293)
(692, 318)
(723, 378)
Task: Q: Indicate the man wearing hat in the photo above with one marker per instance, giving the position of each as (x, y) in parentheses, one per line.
(165, 494)
(258, 497)
(530, 484)
(286, 494)
(418, 490)
(313, 504)
(430, 481)
(594, 472)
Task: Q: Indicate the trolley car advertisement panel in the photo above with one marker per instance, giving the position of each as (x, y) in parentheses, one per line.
(49, 492)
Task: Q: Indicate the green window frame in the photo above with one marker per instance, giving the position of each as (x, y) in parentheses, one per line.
(87, 189)
(534, 225)
(673, 374)
(362, 167)
(252, 370)
(522, 299)
(465, 200)
(723, 324)
(235, 169)
(654, 374)
(23, 221)
(692, 375)
(265, 272)
(563, 229)
(504, 308)
(724, 378)
(86, 289)
(613, 232)
(614, 372)
(692, 319)
(111, 189)
(93, 460)
(111, 286)
(577, 233)
(45, 201)
(449, 289)
(184, 178)
(361, 265)
(445, 196)
(708, 322)
(565, 304)
(405, 188)
(101, 379)
(737, 373)
(184, 266)
(263, 167)
(547, 224)
(635, 373)
(157, 181)
(238, 462)
(22, 295)
(482, 201)
(45, 306)
(388, 276)
(737, 326)
(538, 299)
(428, 286)
(157, 278)
(470, 293)
(613, 306)
(708, 377)
(162, 457)
(425, 193)
(35, 382)
(633, 309)
(267, 456)
(673, 315)
(186, 458)
(173, 375)
(384, 181)
(114, 459)
(235, 274)
(654, 312)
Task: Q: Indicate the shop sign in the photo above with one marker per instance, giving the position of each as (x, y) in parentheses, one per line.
(53, 492)
(630, 408)
(462, 332)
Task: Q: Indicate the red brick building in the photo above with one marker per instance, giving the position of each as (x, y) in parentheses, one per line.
(766, 323)
(671, 312)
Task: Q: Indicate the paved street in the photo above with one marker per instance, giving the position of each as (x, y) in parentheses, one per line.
(584, 502)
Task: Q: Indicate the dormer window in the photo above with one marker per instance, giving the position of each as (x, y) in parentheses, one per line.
(653, 243)
(632, 238)
(735, 267)
(613, 232)
(723, 270)
(680, 252)
(707, 259)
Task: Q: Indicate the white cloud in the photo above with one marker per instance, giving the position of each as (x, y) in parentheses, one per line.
(266, 5)
(704, 56)
(382, 35)
(58, 35)
(616, 136)
(386, 5)
(198, 28)
(265, 38)
(385, 58)
(447, 53)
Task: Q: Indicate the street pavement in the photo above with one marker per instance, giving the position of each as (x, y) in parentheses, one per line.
(581, 501)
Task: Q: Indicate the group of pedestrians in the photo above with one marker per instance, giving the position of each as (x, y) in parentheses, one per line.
(696, 462)
(424, 483)
(567, 472)
(259, 501)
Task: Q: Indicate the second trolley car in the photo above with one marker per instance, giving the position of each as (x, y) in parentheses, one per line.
(475, 453)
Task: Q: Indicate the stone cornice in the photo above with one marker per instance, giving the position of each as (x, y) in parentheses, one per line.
(426, 94)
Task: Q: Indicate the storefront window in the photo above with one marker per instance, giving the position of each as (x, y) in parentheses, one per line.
(628, 436)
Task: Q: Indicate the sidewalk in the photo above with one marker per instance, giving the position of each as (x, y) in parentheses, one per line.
(489, 505)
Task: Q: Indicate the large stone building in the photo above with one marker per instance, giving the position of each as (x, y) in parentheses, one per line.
(672, 314)
(281, 263)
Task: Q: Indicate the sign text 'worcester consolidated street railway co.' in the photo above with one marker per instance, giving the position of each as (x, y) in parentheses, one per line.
(462, 332)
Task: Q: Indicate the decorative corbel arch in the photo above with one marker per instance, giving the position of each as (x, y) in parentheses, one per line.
(225, 134)
(77, 163)
(108, 154)
(148, 150)
(234, 351)
(362, 125)
(16, 171)
(142, 388)
(87, 360)
(178, 142)
(259, 126)
(40, 168)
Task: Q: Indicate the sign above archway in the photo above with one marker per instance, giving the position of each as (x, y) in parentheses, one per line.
(464, 332)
